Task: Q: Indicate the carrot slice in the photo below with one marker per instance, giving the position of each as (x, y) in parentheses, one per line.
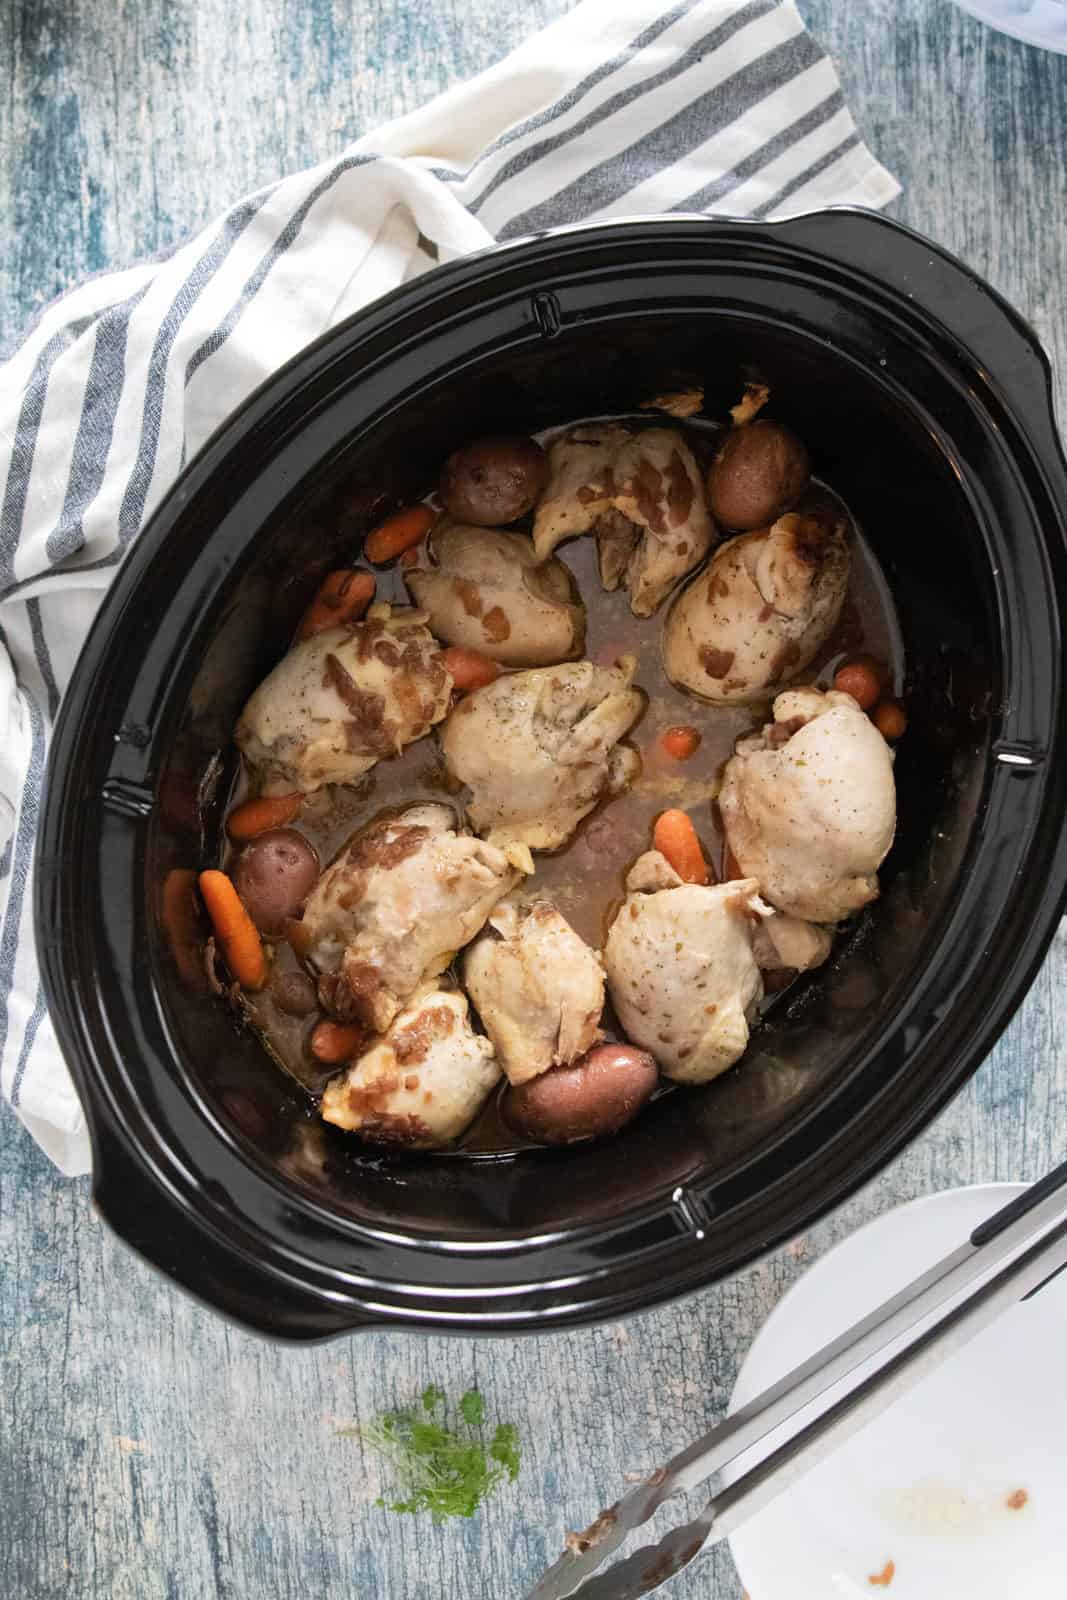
(469, 669)
(234, 929)
(342, 597)
(256, 816)
(675, 837)
(681, 742)
(890, 719)
(180, 917)
(398, 533)
(335, 1042)
(862, 679)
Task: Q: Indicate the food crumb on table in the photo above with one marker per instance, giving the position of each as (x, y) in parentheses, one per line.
(576, 1544)
(1017, 1499)
(882, 1580)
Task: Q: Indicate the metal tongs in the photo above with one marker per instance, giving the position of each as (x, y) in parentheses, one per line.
(1008, 1258)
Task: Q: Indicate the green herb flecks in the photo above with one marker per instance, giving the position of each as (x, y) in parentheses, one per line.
(432, 1397)
(472, 1408)
(445, 1468)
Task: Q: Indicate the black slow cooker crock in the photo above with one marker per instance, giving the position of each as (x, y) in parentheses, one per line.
(926, 402)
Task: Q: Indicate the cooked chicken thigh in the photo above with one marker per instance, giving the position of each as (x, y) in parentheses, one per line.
(765, 605)
(488, 591)
(643, 496)
(660, 490)
(423, 1083)
(343, 699)
(395, 905)
(536, 748)
(581, 482)
(809, 806)
(681, 973)
(538, 988)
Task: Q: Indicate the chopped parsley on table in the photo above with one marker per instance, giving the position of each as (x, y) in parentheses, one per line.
(447, 1468)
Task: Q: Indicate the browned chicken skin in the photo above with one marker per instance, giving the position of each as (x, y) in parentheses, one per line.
(395, 906)
(643, 496)
(488, 591)
(341, 700)
(759, 612)
(423, 1083)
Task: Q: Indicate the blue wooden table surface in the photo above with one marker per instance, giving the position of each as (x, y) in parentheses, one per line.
(146, 1449)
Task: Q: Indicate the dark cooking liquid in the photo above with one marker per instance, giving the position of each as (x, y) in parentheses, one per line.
(585, 878)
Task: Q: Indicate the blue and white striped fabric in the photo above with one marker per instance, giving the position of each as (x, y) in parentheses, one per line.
(621, 107)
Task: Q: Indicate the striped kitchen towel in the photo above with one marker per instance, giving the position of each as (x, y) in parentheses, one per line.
(621, 107)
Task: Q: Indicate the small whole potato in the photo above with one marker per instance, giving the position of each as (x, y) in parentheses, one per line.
(759, 470)
(597, 1094)
(493, 480)
(863, 678)
(274, 876)
(294, 993)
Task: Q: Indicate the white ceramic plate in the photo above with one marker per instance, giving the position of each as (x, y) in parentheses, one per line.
(1040, 22)
(962, 1483)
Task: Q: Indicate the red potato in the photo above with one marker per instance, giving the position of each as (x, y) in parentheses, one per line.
(890, 719)
(274, 875)
(759, 470)
(494, 480)
(596, 1095)
(294, 993)
(334, 1043)
(862, 678)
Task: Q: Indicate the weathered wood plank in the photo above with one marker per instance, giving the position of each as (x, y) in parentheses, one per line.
(146, 1450)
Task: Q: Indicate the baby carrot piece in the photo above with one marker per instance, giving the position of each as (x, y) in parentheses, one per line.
(675, 837)
(861, 679)
(335, 1042)
(180, 917)
(680, 742)
(469, 668)
(398, 533)
(234, 929)
(256, 816)
(343, 596)
(890, 719)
